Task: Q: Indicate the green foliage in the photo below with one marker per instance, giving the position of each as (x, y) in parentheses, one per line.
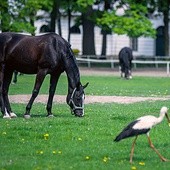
(76, 51)
(133, 22)
(19, 15)
(85, 3)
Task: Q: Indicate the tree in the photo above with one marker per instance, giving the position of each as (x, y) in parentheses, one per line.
(19, 15)
(88, 23)
(55, 16)
(88, 32)
(105, 30)
(132, 22)
(163, 7)
(4, 16)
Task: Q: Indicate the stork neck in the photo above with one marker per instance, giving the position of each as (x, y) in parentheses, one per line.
(161, 117)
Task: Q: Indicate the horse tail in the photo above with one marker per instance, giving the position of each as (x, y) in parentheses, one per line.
(4, 39)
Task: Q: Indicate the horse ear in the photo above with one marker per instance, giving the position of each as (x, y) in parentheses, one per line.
(85, 85)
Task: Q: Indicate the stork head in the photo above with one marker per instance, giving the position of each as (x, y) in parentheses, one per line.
(164, 110)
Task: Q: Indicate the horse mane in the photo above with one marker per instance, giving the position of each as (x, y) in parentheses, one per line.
(63, 49)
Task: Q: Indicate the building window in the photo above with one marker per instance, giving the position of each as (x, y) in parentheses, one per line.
(134, 44)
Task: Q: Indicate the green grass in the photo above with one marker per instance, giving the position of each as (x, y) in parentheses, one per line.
(72, 140)
(85, 143)
(101, 85)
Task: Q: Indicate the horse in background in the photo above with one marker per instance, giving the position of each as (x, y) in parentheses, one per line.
(125, 62)
(40, 55)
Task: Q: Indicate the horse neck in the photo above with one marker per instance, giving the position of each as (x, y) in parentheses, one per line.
(73, 76)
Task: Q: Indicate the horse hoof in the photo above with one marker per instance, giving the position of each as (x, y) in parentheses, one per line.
(6, 116)
(27, 116)
(50, 116)
(13, 115)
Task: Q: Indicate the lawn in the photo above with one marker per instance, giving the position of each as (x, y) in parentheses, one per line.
(101, 85)
(68, 142)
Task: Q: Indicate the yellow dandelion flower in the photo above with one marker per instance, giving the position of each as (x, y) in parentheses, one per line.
(59, 152)
(133, 168)
(105, 159)
(54, 152)
(80, 139)
(40, 152)
(87, 157)
(142, 163)
(46, 136)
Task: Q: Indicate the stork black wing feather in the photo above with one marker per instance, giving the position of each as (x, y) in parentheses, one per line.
(126, 132)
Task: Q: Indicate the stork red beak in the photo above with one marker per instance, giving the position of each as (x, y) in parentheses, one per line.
(167, 118)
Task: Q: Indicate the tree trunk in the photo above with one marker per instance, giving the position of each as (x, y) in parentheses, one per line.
(88, 33)
(69, 20)
(55, 16)
(107, 4)
(166, 31)
(32, 17)
(104, 43)
(59, 25)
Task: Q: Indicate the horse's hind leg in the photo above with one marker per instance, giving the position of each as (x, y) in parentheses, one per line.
(6, 84)
(15, 77)
(2, 105)
(53, 83)
(38, 82)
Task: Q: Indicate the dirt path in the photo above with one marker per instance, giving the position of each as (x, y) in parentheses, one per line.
(149, 72)
(89, 99)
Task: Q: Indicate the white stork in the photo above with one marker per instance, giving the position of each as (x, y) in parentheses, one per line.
(143, 125)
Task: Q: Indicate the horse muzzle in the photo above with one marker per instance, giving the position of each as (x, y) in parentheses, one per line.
(79, 112)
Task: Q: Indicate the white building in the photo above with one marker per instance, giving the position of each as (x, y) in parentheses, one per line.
(141, 46)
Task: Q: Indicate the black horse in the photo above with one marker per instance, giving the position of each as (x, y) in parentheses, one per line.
(125, 62)
(40, 55)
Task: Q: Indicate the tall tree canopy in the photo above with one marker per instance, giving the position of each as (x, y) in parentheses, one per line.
(19, 15)
(128, 18)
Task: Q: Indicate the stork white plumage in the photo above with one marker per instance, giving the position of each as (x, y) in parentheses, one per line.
(143, 125)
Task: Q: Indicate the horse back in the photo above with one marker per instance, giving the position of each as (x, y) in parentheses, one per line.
(126, 52)
(33, 52)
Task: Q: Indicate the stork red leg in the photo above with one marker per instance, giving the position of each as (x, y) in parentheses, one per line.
(152, 146)
(132, 150)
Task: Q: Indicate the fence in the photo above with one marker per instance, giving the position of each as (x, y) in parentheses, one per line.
(154, 60)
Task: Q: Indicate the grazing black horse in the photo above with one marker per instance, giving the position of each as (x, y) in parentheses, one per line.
(125, 62)
(40, 55)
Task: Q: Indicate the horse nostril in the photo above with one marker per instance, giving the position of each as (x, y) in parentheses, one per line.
(79, 113)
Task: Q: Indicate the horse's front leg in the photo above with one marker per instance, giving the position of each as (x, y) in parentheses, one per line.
(53, 83)
(38, 82)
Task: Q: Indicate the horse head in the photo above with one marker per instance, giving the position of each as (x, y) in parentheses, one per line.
(76, 100)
